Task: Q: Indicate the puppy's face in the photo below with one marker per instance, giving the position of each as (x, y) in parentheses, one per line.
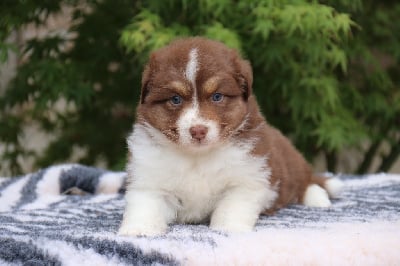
(195, 92)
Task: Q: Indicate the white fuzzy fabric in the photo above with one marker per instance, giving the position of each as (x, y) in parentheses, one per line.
(362, 227)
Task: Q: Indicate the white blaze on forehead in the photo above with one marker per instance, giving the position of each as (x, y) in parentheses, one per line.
(192, 67)
(192, 115)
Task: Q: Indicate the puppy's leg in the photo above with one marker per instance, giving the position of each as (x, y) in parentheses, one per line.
(147, 213)
(239, 209)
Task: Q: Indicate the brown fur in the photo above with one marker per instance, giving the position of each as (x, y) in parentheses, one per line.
(224, 71)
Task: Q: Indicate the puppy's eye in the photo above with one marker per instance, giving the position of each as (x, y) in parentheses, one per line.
(217, 97)
(176, 100)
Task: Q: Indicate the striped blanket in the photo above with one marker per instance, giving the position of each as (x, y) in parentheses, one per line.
(69, 215)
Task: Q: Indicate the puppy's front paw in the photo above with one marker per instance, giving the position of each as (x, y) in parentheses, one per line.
(141, 230)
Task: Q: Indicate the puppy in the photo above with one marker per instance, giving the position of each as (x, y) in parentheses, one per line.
(201, 151)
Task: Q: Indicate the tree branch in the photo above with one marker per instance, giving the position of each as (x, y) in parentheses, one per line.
(390, 159)
(368, 157)
(331, 161)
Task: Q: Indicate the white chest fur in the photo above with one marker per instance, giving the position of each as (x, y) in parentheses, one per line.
(193, 183)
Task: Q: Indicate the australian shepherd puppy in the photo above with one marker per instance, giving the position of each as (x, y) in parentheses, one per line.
(201, 151)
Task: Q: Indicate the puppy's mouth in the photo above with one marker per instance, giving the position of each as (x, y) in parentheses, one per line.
(199, 146)
(200, 143)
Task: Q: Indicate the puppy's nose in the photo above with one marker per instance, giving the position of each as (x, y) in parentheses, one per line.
(198, 132)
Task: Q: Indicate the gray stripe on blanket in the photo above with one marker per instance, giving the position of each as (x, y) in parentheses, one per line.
(28, 192)
(25, 253)
(81, 177)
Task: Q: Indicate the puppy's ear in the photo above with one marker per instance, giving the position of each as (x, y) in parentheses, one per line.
(146, 76)
(244, 75)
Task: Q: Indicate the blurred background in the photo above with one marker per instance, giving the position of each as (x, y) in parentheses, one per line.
(326, 74)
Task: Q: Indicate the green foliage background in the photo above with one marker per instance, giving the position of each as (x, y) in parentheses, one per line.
(326, 72)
